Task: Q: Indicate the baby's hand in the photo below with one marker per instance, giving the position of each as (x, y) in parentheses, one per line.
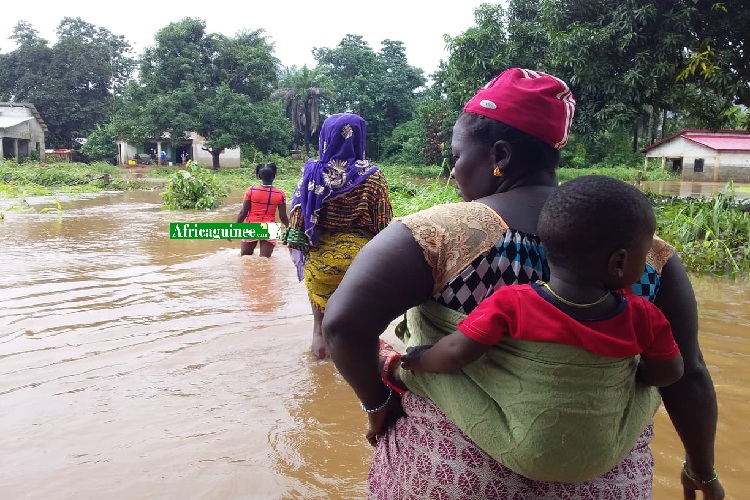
(410, 360)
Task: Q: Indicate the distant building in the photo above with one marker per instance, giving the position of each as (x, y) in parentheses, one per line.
(189, 147)
(704, 155)
(21, 131)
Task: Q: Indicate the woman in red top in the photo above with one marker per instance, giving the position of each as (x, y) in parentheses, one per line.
(260, 205)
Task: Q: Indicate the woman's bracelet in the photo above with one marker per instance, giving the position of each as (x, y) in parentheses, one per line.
(707, 481)
(375, 410)
(387, 371)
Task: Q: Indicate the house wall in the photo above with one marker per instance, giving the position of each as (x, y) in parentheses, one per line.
(125, 152)
(29, 133)
(230, 158)
(717, 166)
(734, 166)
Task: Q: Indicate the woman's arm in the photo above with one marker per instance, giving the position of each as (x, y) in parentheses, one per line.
(690, 402)
(243, 211)
(388, 276)
(283, 217)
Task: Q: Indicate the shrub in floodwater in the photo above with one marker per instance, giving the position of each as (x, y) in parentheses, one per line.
(194, 187)
(711, 235)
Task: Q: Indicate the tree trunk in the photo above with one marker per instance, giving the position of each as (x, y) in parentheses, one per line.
(635, 135)
(654, 122)
(215, 159)
(307, 133)
(663, 124)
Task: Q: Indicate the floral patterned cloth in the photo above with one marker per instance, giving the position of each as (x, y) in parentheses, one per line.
(425, 456)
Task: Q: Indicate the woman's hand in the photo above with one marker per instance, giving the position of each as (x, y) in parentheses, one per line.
(379, 421)
(712, 490)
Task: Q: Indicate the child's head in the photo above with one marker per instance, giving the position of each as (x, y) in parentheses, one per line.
(266, 172)
(598, 228)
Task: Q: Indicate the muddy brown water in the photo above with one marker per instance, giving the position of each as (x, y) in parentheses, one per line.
(133, 366)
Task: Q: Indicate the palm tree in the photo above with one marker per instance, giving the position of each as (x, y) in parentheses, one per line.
(302, 90)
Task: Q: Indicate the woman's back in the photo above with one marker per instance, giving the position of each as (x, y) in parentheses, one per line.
(264, 201)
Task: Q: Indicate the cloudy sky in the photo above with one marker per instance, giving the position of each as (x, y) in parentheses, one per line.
(294, 26)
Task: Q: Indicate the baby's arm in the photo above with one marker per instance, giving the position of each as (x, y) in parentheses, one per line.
(451, 353)
(660, 372)
(661, 362)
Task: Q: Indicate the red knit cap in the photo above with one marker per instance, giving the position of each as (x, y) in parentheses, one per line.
(534, 102)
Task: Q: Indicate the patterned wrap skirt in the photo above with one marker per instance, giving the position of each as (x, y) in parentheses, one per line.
(328, 261)
(425, 456)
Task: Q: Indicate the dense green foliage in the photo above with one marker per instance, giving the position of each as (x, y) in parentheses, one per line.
(72, 83)
(710, 235)
(100, 144)
(193, 187)
(640, 70)
(31, 179)
(378, 86)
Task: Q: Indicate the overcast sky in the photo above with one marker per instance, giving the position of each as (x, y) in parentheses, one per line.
(294, 26)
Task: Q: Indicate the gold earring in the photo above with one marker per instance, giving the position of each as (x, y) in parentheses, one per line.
(497, 172)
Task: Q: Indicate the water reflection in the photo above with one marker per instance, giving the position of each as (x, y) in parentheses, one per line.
(686, 189)
(135, 366)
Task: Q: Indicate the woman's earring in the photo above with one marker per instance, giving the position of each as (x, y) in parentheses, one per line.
(497, 172)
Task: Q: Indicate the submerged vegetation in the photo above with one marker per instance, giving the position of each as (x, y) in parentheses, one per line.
(711, 235)
(39, 179)
(193, 187)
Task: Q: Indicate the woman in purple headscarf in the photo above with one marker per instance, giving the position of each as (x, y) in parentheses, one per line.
(340, 204)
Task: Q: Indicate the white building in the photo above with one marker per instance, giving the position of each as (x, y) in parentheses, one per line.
(191, 146)
(704, 155)
(21, 131)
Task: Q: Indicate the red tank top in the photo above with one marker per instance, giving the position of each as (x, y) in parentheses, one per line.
(264, 200)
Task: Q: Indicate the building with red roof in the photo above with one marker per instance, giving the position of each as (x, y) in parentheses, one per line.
(704, 155)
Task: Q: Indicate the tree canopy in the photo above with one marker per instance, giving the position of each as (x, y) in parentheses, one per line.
(73, 83)
(638, 69)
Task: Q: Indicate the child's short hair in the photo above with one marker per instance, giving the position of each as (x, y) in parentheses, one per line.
(590, 215)
(266, 172)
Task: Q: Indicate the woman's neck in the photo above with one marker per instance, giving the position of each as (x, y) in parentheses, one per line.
(545, 178)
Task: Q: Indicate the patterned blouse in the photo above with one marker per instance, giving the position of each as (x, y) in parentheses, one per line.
(367, 206)
(472, 252)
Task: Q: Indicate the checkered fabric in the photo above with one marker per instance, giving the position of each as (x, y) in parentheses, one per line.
(517, 258)
(648, 285)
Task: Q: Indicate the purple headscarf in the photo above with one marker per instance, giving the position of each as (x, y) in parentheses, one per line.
(342, 167)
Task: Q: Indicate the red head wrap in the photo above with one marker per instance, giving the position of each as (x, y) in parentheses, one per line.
(534, 102)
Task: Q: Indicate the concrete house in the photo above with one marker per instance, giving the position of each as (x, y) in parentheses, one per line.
(21, 131)
(187, 148)
(704, 155)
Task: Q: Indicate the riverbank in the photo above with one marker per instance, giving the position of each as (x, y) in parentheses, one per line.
(35, 179)
(711, 233)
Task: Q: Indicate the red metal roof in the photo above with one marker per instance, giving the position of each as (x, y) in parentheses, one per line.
(722, 143)
(720, 140)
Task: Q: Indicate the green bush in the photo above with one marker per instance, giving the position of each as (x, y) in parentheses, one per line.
(193, 188)
(711, 235)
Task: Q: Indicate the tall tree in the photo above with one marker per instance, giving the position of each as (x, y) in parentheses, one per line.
(620, 58)
(379, 87)
(214, 85)
(720, 50)
(302, 91)
(74, 83)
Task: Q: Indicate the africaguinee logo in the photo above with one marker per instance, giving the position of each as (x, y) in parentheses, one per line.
(224, 230)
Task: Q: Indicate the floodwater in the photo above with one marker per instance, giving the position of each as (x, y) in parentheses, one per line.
(133, 366)
(701, 189)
